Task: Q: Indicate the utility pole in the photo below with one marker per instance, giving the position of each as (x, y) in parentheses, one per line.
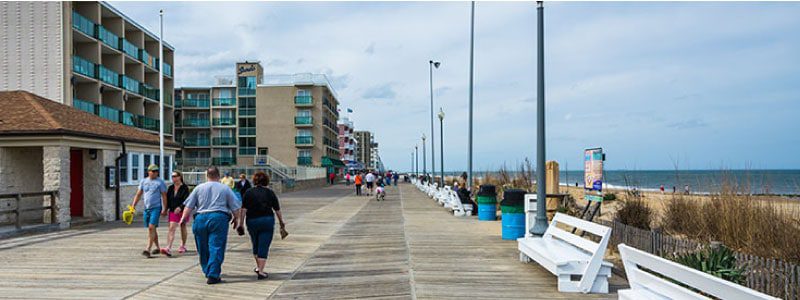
(471, 79)
(540, 224)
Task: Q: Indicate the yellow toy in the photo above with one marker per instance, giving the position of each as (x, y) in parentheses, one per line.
(127, 216)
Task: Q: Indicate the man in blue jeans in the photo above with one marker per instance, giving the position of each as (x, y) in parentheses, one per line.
(154, 192)
(215, 206)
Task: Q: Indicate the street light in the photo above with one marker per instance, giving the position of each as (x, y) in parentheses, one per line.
(416, 157)
(441, 146)
(540, 224)
(431, 65)
(423, 155)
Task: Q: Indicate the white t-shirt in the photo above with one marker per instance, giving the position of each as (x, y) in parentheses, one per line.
(370, 177)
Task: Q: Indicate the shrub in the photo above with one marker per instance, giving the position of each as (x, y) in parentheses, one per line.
(634, 211)
(610, 197)
(719, 261)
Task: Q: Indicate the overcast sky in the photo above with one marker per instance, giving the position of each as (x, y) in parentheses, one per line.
(697, 85)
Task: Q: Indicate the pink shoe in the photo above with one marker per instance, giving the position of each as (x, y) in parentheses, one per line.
(182, 249)
(166, 252)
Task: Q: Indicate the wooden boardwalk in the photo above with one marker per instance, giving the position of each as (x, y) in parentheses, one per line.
(340, 246)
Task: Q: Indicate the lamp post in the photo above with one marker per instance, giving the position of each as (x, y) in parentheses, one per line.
(471, 79)
(416, 157)
(441, 146)
(432, 64)
(540, 224)
(423, 156)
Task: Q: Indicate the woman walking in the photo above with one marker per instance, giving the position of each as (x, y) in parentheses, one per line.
(259, 207)
(176, 194)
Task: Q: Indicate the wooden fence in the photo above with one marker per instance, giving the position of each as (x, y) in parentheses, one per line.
(17, 209)
(770, 276)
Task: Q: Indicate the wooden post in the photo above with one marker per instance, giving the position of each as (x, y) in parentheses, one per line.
(53, 207)
(17, 213)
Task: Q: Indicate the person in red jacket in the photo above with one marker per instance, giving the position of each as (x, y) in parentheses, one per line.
(332, 177)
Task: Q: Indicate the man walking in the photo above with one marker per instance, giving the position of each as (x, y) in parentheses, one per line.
(154, 191)
(359, 182)
(370, 178)
(215, 206)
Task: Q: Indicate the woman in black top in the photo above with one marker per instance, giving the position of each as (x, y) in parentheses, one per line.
(259, 207)
(176, 194)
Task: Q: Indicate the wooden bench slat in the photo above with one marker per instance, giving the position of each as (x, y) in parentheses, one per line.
(572, 239)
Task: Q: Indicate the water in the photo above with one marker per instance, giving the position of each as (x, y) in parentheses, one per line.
(785, 182)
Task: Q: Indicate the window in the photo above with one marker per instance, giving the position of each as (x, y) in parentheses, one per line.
(302, 93)
(247, 85)
(225, 93)
(167, 168)
(304, 153)
(304, 132)
(304, 113)
(146, 163)
(263, 151)
(123, 169)
(135, 168)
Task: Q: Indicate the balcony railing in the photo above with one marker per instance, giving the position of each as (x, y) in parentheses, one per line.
(304, 140)
(130, 84)
(85, 106)
(224, 141)
(244, 91)
(149, 91)
(304, 160)
(107, 75)
(130, 49)
(224, 122)
(303, 100)
(303, 120)
(196, 141)
(82, 24)
(247, 112)
(224, 161)
(108, 113)
(148, 59)
(247, 131)
(167, 70)
(193, 161)
(83, 66)
(127, 118)
(108, 37)
(224, 102)
(148, 123)
(201, 103)
(168, 99)
(195, 122)
(167, 127)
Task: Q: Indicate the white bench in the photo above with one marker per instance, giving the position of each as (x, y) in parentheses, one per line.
(646, 285)
(459, 209)
(443, 196)
(566, 254)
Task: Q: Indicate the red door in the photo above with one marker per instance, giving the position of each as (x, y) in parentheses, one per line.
(76, 183)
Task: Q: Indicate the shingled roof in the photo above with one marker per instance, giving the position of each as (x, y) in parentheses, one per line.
(24, 113)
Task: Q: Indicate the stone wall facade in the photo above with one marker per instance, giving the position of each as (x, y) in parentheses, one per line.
(55, 176)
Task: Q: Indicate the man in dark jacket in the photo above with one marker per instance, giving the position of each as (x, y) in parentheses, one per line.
(243, 185)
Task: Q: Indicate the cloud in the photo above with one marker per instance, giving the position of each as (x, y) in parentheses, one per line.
(384, 91)
(688, 124)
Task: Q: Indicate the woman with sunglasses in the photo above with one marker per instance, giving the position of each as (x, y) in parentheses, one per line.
(176, 195)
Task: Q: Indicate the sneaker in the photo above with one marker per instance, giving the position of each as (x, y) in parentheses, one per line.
(212, 280)
(182, 249)
(155, 252)
(166, 252)
(146, 253)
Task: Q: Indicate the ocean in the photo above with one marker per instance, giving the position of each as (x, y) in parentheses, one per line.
(782, 182)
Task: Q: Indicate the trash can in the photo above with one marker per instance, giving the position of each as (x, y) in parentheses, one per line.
(487, 203)
(513, 211)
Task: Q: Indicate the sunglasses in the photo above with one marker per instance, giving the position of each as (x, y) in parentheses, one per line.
(175, 175)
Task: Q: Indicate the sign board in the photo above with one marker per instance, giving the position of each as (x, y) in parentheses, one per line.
(595, 198)
(111, 177)
(593, 169)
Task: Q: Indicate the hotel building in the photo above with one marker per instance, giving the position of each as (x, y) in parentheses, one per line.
(347, 143)
(364, 141)
(87, 55)
(254, 120)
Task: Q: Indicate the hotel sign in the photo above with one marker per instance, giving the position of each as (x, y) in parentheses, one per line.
(243, 69)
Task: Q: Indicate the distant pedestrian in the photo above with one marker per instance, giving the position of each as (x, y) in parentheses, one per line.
(228, 180)
(243, 185)
(176, 195)
(395, 177)
(662, 188)
(216, 206)
(674, 190)
(686, 189)
(359, 181)
(332, 178)
(259, 208)
(347, 179)
(370, 179)
(154, 192)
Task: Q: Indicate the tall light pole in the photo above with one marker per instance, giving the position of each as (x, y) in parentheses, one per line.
(540, 224)
(432, 64)
(161, 96)
(441, 146)
(416, 157)
(471, 70)
(423, 155)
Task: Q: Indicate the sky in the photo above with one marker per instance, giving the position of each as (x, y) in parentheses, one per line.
(710, 85)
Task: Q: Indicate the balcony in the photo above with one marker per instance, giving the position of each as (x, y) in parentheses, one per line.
(194, 122)
(244, 112)
(196, 142)
(130, 49)
(245, 91)
(108, 37)
(130, 84)
(304, 140)
(303, 101)
(304, 161)
(107, 75)
(247, 131)
(193, 161)
(82, 24)
(304, 121)
(224, 122)
(167, 128)
(150, 92)
(224, 102)
(85, 106)
(148, 123)
(167, 70)
(127, 118)
(148, 59)
(224, 161)
(224, 141)
(83, 66)
(195, 103)
(108, 113)
(168, 99)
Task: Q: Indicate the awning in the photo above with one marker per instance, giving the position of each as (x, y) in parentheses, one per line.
(331, 162)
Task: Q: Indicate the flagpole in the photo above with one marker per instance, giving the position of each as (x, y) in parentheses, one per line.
(161, 95)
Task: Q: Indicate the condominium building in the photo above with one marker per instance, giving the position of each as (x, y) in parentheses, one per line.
(364, 141)
(87, 55)
(290, 119)
(347, 143)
